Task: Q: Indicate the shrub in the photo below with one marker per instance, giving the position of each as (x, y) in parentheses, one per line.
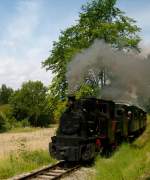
(4, 124)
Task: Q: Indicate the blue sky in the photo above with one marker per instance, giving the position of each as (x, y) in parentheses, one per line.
(28, 28)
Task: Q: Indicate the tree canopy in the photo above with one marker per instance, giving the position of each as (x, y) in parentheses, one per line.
(5, 93)
(30, 102)
(98, 19)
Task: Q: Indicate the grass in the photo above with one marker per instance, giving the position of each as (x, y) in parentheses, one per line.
(24, 129)
(130, 162)
(27, 152)
(29, 129)
(24, 161)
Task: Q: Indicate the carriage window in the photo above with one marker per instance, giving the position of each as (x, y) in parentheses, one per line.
(103, 108)
(119, 112)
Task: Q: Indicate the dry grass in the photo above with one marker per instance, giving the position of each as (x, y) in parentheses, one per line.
(24, 151)
(23, 161)
(10, 142)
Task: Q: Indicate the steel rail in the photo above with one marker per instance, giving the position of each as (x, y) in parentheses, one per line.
(52, 172)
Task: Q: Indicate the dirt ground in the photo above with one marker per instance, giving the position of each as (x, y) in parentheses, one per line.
(11, 142)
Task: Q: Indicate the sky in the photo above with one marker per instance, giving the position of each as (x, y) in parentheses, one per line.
(29, 27)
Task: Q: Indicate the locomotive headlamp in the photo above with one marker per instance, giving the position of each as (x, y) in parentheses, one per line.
(129, 113)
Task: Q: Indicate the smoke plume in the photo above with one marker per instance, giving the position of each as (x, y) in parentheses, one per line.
(127, 74)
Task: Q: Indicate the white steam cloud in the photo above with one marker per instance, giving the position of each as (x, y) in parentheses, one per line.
(128, 73)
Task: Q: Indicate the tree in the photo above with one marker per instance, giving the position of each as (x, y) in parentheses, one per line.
(4, 125)
(5, 93)
(31, 102)
(86, 90)
(99, 19)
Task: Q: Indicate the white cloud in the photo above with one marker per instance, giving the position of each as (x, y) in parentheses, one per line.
(14, 73)
(21, 54)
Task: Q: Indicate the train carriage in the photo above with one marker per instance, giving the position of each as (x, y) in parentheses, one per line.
(122, 118)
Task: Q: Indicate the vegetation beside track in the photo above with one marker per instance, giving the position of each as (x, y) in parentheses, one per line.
(23, 161)
(129, 162)
(24, 151)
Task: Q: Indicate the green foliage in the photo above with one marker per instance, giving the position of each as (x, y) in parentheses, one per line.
(5, 93)
(25, 123)
(23, 161)
(14, 124)
(4, 124)
(61, 105)
(86, 90)
(7, 122)
(31, 103)
(99, 19)
(6, 109)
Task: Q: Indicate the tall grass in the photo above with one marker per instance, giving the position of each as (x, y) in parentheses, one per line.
(23, 161)
(129, 162)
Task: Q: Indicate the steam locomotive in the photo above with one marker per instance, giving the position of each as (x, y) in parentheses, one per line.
(90, 125)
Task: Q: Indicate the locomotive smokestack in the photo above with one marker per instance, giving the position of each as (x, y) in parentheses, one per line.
(71, 101)
(71, 98)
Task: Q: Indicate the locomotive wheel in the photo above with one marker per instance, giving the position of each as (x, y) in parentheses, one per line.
(88, 153)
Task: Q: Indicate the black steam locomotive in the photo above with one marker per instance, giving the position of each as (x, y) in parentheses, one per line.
(92, 125)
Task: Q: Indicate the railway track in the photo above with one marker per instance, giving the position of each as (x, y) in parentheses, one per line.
(53, 172)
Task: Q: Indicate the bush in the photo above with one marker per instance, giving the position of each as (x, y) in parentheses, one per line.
(7, 121)
(25, 123)
(4, 124)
